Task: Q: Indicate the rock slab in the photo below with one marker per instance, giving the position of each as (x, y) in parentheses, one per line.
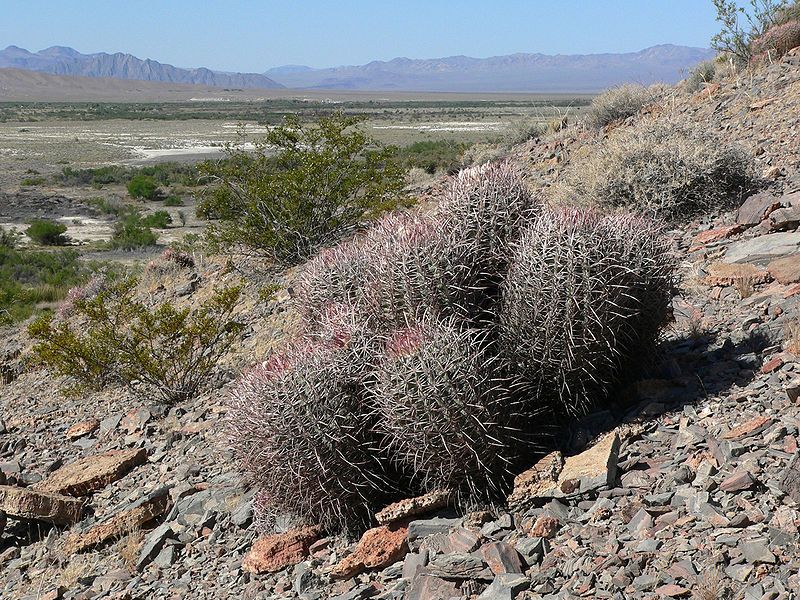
(92, 473)
(25, 503)
(273, 553)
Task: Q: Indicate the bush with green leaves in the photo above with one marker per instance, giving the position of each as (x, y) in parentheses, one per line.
(742, 26)
(112, 336)
(143, 186)
(665, 168)
(132, 232)
(617, 104)
(47, 233)
(433, 156)
(302, 188)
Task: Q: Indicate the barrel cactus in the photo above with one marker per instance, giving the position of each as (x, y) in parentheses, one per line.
(777, 41)
(488, 205)
(300, 430)
(445, 412)
(586, 296)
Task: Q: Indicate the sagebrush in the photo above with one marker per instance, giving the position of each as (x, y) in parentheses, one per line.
(617, 104)
(665, 168)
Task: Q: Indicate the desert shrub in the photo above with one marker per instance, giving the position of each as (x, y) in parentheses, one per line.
(522, 130)
(47, 233)
(114, 337)
(742, 26)
(160, 219)
(776, 41)
(173, 200)
(303, 187)
(33, 181)
(433, 155)
(586, 296)
(9, 238)
(107, 206)
(617, 104)
(701, 75)
(665, 168)
(132, 232)
(300, 429)
(29, 278)
(143, 186)
(168, 173)
(445, 414)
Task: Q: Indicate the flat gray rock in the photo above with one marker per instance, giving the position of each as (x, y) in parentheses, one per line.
(761, 250)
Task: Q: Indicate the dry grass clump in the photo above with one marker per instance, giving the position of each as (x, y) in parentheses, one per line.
(617, 104)
(701, 75)
(667, 169)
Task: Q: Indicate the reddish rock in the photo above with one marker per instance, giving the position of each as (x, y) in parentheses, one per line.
(593, 468)
(273, 553)
(377, 548)
(709, 91)
(429, 587)
(785, 270)
(772, 365)
(714, 235)
(545, 527)
(737, 482)
(461, 541)
(25, 503)
(147, 509)
(81, 429)
(726, 274)
(747, 428)
(136, 419)
(757, 208)
(672, 590)
(411, 507)
(92, 473)
(502, 558)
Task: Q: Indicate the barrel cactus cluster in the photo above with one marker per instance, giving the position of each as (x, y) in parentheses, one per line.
(437, 344)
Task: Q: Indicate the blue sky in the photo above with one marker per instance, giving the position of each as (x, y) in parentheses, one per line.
(252, 35)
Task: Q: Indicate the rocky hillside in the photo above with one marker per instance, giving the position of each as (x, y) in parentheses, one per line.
(59, 60)
(688, 485)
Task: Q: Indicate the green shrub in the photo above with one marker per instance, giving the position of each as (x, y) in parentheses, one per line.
(741, 26)
(664, 168)
(114, 337)
(173, 200)
(47, 233)
(33, 181)
(433, 156)
(28, 278)
(701, 75)
(131, 233)
(9, 238)
(143, 186)
(617, 104)
(157, 220)
(162, 173)
(322, 181)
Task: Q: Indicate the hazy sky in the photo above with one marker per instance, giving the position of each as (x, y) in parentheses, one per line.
(253, 35)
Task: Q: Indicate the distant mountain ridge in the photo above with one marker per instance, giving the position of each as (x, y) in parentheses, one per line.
(61, 60)
(519, 72)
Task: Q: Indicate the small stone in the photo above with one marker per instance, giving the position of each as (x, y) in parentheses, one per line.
(83, 428)
(756, 208)
(165, 558)
(462, 540)
(422, 528)
(714, 235)
(785, 270)
(429, 587)
(87, 475)
(378, 547)
(501, 558)
(748, 428)
(145, 509)
(772, 365)
(736, 482)
(412, 507)
(506, 586)
(757, 552)
(790, 480)
(545, 526)
(538, 481)
(152, 545)
(273, 553)
(592, 469)
(672, 591)
(25, 503)
(459, 566)
(413, 562)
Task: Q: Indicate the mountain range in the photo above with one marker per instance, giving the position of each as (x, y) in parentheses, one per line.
(510, 73)
(61, 60)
